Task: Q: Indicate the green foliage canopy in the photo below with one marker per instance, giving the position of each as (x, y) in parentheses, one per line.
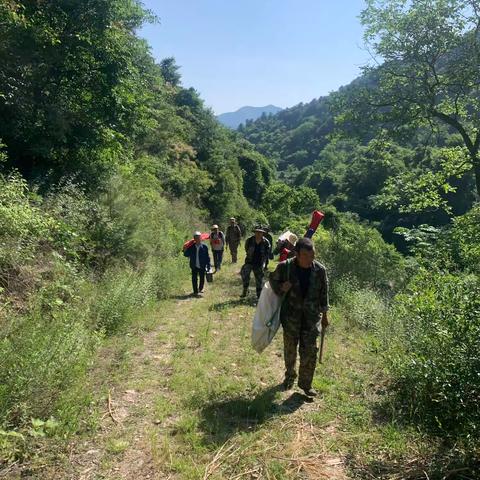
(430, 53)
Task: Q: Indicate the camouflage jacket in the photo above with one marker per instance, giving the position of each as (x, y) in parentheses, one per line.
(234, 234)
(250, 250)
(300, 313)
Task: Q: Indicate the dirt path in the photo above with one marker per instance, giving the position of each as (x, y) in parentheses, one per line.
(197, 403)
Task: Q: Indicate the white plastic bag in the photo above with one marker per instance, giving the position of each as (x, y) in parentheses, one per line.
(267, 318)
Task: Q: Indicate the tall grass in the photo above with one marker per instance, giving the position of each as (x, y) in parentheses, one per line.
(72, 270)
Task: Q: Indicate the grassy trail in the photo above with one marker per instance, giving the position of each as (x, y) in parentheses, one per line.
(192, 400)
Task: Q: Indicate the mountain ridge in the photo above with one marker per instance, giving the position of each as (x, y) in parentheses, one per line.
(235, 119)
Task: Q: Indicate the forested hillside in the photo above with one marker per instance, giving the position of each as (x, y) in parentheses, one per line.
(396, 152)
(107, 165)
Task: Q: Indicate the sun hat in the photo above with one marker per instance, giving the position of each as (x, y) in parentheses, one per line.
(293, 239)
(259, 228)
(197, 234)
(214, 226)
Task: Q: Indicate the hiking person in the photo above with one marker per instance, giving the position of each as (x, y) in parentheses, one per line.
(217, 242)
(199, 262)
(304, 308)
(286, 247)
(233, 237)
(257, 249)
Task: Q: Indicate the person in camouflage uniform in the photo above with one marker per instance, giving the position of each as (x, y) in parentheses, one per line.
(304, 283)
(257, 248)
(232, 238)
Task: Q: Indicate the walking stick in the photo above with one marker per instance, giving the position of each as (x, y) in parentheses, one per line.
(322, 341)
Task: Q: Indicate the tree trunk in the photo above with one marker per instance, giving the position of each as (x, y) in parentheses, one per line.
(476, 168)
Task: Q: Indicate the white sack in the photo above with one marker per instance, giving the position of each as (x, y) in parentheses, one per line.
(267, 318)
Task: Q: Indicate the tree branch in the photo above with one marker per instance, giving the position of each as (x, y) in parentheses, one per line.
(453, 122)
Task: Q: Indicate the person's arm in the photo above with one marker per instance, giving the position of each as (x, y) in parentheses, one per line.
(324, 304)
(278, 280)
(188, 251)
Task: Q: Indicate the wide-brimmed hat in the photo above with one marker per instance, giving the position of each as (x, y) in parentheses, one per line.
(214, 227)
(197, 234)
(232, 218)
(259, 228)
(293, 239)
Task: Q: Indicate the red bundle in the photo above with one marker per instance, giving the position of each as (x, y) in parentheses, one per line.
(317, 217)
(284, 254)
(189, 243)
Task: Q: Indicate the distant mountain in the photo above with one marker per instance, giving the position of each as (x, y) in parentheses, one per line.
(234, 119)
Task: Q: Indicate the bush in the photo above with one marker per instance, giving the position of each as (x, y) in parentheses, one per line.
(355, 252)
(465, 240)
(359, 251)
(57, 305)
(22, 225)
(361, 307)
(432, 353)
(43, 356)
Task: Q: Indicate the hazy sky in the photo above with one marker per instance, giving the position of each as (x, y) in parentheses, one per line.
(259, 52)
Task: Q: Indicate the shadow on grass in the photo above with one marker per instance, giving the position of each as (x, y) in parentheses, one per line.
(221, 420)
(185, 296)
(237, 302)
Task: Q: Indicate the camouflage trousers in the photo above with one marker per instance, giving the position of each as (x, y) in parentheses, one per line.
(257, 271)
(306, 341)
(234, 251)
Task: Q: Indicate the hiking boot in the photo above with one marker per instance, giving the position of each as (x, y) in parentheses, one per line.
(244, 293)
(287, 384)
(309, 392)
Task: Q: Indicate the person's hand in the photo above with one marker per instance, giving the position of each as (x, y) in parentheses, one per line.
(325, 322)
(286, 286)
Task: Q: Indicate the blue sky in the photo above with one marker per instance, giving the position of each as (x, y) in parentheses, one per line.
(259, 52)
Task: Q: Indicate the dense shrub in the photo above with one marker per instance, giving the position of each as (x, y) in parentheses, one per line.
(464, 240)
(359, 251)
(43, 356)
(432, 352)
(360, 307)
(354, 251)
(72, 269)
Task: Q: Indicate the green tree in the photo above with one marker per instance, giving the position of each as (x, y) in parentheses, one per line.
(170, 71)
(429, 75)
(257, 175)
(75, 84)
